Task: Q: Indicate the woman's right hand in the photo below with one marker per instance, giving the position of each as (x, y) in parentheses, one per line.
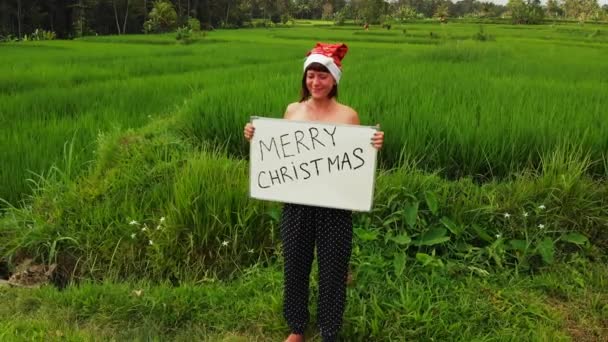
(248, 131)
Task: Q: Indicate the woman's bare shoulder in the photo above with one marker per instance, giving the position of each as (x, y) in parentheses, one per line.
(349, 114)
(291, 109)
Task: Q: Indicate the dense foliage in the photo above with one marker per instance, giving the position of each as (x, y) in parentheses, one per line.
(74, 18)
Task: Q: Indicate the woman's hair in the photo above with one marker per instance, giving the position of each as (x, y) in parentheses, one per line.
(304, 93)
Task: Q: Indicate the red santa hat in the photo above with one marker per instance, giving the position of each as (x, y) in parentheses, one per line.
(329, 55)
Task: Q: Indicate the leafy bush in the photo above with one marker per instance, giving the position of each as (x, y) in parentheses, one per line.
(528, 12)
(8, 38)
(262, 23)
(81, 27)
(481, 35)
(285, 18)
(162, 17)
(405, 13)
(183, 34)
(43, 35)
(387, 21)
(339, 18)
(194, 24)
(275, 18)
(228, 25)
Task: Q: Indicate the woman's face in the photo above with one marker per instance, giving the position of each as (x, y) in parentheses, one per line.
(319, 83)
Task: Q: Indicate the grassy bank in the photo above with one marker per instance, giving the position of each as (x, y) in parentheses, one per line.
(565, 302)
(158, 206)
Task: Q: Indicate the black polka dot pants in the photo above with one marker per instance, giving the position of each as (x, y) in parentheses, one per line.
(303, 227)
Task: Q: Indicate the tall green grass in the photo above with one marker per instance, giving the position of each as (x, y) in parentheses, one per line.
(72, 91)
(486, 109)
(160, 207)
(478, 134)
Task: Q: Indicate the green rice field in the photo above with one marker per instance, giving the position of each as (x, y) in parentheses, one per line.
(123, 163)
(448, 102)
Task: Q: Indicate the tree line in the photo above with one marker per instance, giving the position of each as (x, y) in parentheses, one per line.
(72, 18)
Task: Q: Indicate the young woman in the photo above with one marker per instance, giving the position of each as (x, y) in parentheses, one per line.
(303, 227)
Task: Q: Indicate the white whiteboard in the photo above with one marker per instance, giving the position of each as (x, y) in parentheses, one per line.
(312, 163)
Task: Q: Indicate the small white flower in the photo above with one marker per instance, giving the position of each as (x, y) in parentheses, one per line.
(498, 236)
(541, 226)
(133, 236)
(250, 251)
(541, 207)
(162, 219)
(158, 227)
(525, 214)
(507, 215)
(150, 242)
(144, 229)
(133, 223)
(225, 243)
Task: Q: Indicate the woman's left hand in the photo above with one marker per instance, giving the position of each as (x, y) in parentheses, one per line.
(378, 139)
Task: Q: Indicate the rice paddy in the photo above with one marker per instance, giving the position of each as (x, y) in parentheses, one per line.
(466, 107)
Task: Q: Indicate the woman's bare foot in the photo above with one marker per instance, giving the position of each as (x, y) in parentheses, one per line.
(295, 338)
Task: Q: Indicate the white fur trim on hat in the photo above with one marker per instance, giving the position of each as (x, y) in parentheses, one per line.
(328, 62)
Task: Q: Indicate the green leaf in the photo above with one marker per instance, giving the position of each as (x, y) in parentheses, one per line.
(399, 263)
(482, 234)
(390, 220)
(546, 249)
(433, 237)
(366, 235)
(429, 260)
(496, 251)
(519, 245)
(449, 224)
(575, 238)
(462, 246)
(424, 258)
(390, 199)
(410, 213)
(431, 201)
(402, 239)
(275, 214)
(480, 271)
